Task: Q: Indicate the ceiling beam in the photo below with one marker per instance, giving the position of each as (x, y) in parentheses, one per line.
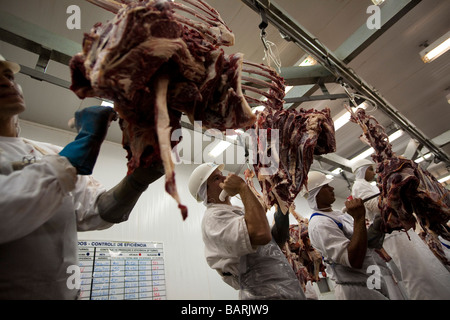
(300, 76)
(301, 37)
(33, 38)
(317, 98)
(390, 13)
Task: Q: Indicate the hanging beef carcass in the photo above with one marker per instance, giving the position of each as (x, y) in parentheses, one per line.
(284, 141)
(409, 194)
(156, 63)
(301, 134)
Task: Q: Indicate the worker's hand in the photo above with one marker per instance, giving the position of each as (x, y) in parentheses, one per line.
(233, 184)
(92, 124)
(355, 207)
(95, 120)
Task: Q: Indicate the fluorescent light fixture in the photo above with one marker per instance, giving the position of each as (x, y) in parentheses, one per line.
(258, 108)
(368, 152)
(377, 2)
(219, 149)
(337, 171)
(397, 134)
(442, 180)
(363, 155)
(436, 49)
(107, 104)
(342, 120)
(287, 89)
(309, 61)
(425, 157)
(329, 176)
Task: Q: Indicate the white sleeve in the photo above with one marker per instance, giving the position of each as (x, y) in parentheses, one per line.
(329, 240)
(228, 232)
(30, 197)
(85, 201)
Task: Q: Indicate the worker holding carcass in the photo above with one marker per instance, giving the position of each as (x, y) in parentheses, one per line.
(342, 239)
(47, 195)
(238, 241)
(428, 279)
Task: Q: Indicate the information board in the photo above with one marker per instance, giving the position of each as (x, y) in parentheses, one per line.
(113, 270)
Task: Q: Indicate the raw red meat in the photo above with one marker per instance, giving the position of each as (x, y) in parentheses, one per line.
(305, 260)
(409, 194)
(301, 135)
(286, 140)
(156, 63)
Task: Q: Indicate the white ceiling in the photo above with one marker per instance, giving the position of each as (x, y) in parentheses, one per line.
(391, 64)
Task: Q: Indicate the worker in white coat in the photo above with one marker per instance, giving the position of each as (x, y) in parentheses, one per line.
(47, 195)
(428, 279)
(238, 241)
(342, 240)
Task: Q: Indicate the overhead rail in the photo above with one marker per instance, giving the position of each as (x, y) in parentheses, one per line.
(298, 35)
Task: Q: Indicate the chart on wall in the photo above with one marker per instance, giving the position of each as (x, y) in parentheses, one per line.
(114, 270)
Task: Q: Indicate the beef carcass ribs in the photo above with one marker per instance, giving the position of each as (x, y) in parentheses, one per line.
(156, 63)
(409, 194)
(286, 140)
(301, 135)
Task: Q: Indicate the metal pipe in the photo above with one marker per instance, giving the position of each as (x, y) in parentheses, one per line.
(288, 26)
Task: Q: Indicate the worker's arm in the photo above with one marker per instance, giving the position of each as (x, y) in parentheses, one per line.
(31, 197)
(255, 216)
(358, 244)
(116, 204)
(280, 230)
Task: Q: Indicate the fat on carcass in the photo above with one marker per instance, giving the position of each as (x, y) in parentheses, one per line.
(156, 60)
(286, 139)
(409, 194)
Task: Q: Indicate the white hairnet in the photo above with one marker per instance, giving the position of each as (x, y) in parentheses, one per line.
(203, 193)
(312, 198)
(361, 172)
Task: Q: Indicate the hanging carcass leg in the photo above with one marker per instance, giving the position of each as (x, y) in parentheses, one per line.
(164, 130)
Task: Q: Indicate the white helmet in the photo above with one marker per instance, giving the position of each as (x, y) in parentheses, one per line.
(360, 163)
(315, 180)
(200, 175)
(15, 68)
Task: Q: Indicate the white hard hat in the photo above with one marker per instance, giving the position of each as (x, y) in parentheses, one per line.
(200, 175)
(360, 163)
(15, 68)
(315, 180)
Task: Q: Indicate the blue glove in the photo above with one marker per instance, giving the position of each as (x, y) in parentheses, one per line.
(92, 125)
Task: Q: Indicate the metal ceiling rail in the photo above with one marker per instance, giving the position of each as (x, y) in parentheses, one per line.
(297, 34)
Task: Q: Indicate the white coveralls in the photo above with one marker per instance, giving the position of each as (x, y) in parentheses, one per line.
(332, 242)
(258, 272)
(40, 215)
(423, 275)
